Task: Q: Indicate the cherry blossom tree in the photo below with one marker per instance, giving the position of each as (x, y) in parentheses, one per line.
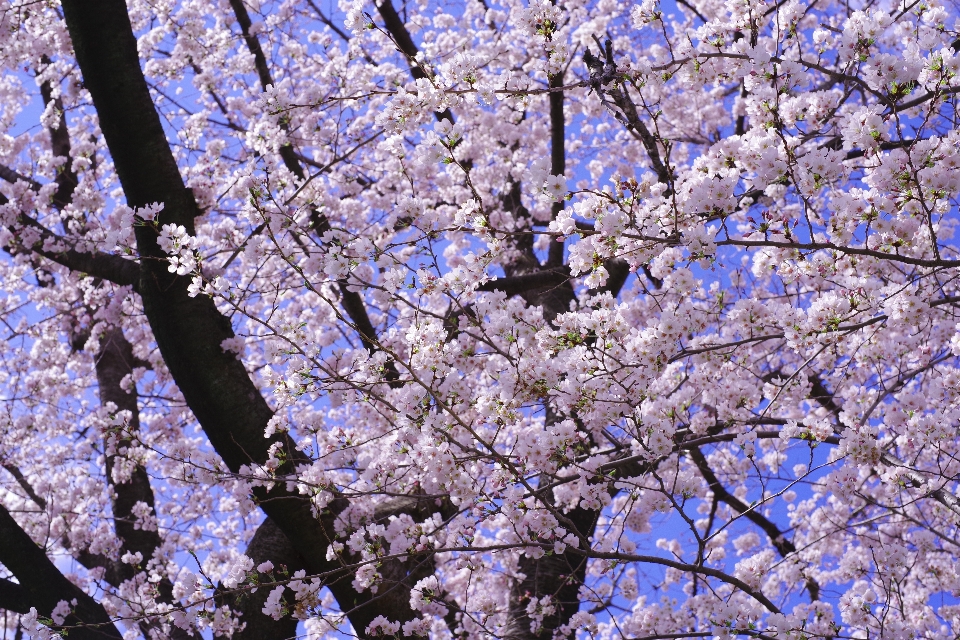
(516, 319)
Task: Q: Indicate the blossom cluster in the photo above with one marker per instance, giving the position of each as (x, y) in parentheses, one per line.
(572, 319)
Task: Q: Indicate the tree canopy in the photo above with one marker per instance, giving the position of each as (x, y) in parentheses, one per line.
(479, 319)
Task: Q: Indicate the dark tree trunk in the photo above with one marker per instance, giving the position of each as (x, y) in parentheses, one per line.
(189, 331)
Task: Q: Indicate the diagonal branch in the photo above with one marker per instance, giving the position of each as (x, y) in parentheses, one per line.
(66, 179)
(268, 543)
(352, 301)
(515, 285)
(13, 597)
(113, 574)
(780, 542)
(401, 37)
(188, 330)
(110, 267)
(44, 587)
(287, 152)
(609, 86)
(687, 568)
(557, 576)
(130, 494)
(25, 485)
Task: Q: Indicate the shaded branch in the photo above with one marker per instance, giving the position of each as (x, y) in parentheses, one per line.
(107, 266)
(114, 362)
(352, 301)
(883, 146)
(9, 175)
(820, 394)
(780, 542)
(25, 485)
(857, 251)
(401, 37)
(268, 543)
(558, 159)
(44, 587)
(605, 80)
(514, 285)
(287, 153)
(687, 568)
(112, 573)
(558, 576)
(189, 331)
(13, 597)
(66, 178)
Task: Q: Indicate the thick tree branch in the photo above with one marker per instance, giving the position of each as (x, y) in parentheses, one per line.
(823, 396)
(115, 572)
(189, 331)
(9, 175)
(558, 159)
(287, 152)
(25, 485)
(515, 285)
(107, 266)
(60, 145)
(13, 597)
(351, 300)
(268, 543)
(44, 587)
(115, 362)
(112, 574)
(401, 37)
(557, 576)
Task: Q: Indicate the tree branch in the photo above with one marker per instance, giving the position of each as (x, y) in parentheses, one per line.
(287, 153)
(780, 542)
(107, 266)
(515, 285)
(401, 37)
(685, 567)
(44, 587)
(25, 485)
(558, 159)
(857, 251)
(351, 300)
(558, 576)
(613, 95)
(268, 543)
(114, 362)
(13, 597)
(189, 331)
(66, 178)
